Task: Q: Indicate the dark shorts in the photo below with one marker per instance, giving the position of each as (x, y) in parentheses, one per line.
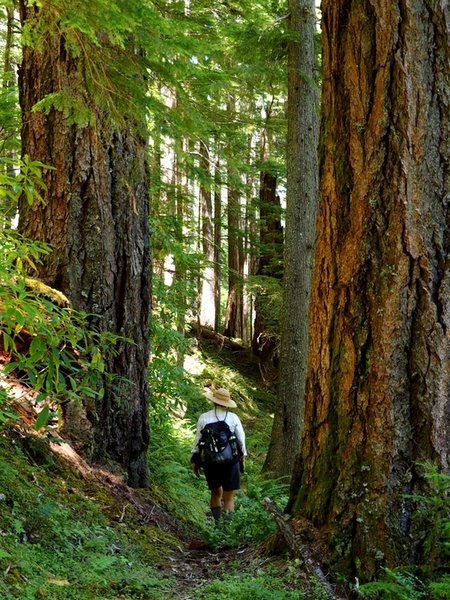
(227, 477)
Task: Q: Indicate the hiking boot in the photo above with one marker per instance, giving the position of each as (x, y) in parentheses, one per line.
(216, 513)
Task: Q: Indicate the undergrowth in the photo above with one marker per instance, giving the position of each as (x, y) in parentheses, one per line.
(60, 539)
(265, 584)
(428, 579)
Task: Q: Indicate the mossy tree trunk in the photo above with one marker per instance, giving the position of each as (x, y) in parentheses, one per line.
(269, 264)
(95, 216)
(377, 394)
(301, 208)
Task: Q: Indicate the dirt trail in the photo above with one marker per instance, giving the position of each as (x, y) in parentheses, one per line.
(196, 567)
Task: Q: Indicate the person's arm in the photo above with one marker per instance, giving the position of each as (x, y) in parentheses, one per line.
(240, 436)
(198, 432)
(195, 457)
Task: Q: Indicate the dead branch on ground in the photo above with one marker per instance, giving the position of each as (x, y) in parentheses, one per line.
(299, 549)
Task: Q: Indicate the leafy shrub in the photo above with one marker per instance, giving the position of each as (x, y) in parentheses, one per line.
(397, 584)
(62, 358)
(50, 347)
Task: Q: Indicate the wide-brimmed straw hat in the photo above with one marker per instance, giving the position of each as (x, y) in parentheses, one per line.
(221, 396)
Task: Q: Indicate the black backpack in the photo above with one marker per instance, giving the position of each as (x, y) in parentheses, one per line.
(217, 445)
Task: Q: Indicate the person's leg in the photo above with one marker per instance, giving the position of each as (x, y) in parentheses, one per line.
(216, 497)
(228, 501)
(216, 503)
(230, 485)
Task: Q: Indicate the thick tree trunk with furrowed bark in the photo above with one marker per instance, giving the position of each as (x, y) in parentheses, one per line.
(95, 216)
(377, 394)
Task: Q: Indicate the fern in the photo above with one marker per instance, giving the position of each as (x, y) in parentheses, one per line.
(398, 585)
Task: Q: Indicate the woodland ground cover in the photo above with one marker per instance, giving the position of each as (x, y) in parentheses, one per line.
(63, 536)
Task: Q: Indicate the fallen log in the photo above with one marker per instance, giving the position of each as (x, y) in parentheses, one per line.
(299, 549)
(202, 331)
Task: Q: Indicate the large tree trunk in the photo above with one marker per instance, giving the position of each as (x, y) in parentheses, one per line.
(377, 397)
(95, 216)
(301, 207)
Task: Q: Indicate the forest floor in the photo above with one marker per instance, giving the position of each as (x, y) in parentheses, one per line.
(71, 530)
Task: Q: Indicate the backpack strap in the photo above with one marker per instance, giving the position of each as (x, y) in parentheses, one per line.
(220, 420)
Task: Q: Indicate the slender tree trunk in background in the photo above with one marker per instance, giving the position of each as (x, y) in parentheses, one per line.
(207, 299)
(8, 127)
(377, 397)
(269, 263)
(244, 266)
(234, 325)
(156, 198)
(8, 69)
(252, 236)
(269, 259)
(217, 241)
(96, 218)
(301, 206)
(179, 280)
(234, 317)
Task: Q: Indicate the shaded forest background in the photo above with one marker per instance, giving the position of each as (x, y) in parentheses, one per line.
(159, 192)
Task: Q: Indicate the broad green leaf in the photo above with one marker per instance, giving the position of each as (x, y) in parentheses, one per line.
(42, 418)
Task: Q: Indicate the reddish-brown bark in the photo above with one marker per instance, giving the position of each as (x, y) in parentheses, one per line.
(377, 397)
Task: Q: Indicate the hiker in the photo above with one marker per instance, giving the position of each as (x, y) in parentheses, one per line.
(222, 479)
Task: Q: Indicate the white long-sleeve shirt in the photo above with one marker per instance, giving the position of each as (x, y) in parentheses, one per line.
(220, 413)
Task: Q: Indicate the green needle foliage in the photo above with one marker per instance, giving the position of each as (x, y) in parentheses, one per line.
(50, 349)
